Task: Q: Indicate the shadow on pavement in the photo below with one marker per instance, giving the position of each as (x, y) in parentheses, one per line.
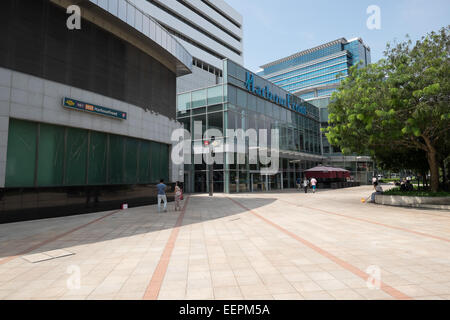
(17, 238)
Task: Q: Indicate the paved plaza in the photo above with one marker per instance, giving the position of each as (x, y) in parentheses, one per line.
(284, 245)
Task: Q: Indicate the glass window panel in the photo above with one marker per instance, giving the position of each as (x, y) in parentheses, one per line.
(77, 143)
(144, 162)
(251, 102)
(241, 99)
(232, 95)
(115, 172)
(97, 158)
(184, 102)
(199, 111)
(51, 155)
(268, 108)
(186, 122)
(283, 113)
(215, 95)
(164, 165)
(231, 120)
(199, 98)
(21, 155)
(215, 121)
(131, 160)
(155, 162)
(215, 108)
(260, 105)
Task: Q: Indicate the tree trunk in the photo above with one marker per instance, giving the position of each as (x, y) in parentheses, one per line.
(444, 175)
(433, 164)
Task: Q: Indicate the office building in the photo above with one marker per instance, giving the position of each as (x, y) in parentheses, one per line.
(210, 30)
(85, 114)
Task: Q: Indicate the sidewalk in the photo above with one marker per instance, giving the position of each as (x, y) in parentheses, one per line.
(282, 245)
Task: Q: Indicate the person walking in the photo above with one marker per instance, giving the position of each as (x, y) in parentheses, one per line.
(305, 185)
(299, 183)
(162, 195)
(314, 184)
(177, 196)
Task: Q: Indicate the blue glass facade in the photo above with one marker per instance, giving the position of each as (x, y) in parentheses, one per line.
(317, 72)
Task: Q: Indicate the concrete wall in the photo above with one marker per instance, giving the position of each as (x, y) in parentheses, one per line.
(31, 98)
(198, 79)
(5, 93)
(407, 201)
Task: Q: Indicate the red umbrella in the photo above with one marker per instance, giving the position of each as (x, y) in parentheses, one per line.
(326, 172)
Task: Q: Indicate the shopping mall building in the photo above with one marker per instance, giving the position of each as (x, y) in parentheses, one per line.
(314, 74)
(246, 101)
(85, 114)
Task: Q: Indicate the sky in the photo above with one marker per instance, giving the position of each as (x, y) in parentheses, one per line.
(274, 29)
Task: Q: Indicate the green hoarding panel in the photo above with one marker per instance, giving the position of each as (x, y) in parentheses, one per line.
(115, 171)
(21, 154)
(155, 163)
(51, 155)
(131, 160)
(97, 158)
(164, 162)
(77, 142)
(144, 162)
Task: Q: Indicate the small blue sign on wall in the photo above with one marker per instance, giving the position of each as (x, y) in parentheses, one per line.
(92, 108)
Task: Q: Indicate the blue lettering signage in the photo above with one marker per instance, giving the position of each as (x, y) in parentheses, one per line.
(265, 93)
(83, 106)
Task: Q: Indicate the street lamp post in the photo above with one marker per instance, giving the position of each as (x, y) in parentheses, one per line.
(211, 144)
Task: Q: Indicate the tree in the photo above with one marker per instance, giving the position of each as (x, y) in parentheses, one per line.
(400, 103)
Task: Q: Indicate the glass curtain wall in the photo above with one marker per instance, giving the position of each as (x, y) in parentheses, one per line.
(228, 107)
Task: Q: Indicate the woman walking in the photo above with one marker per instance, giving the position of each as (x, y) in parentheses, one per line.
(177, 196)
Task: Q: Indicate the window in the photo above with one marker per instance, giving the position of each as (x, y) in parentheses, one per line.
(199, 98)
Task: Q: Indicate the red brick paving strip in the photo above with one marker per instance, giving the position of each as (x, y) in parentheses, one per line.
(386, 288)
(40, 244)
(153, 288)
(369, 221)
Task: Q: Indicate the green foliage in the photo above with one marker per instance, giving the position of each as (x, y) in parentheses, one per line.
(415, 193)
(400, 104)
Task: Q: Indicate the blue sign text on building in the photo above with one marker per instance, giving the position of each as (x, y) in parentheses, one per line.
(265, 93)
(83, 106)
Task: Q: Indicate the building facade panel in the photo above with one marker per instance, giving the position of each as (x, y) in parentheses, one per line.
(210, 30)
(85, 115)
(218, 18)
(174, 16)
(192, 17)
(103, 68)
